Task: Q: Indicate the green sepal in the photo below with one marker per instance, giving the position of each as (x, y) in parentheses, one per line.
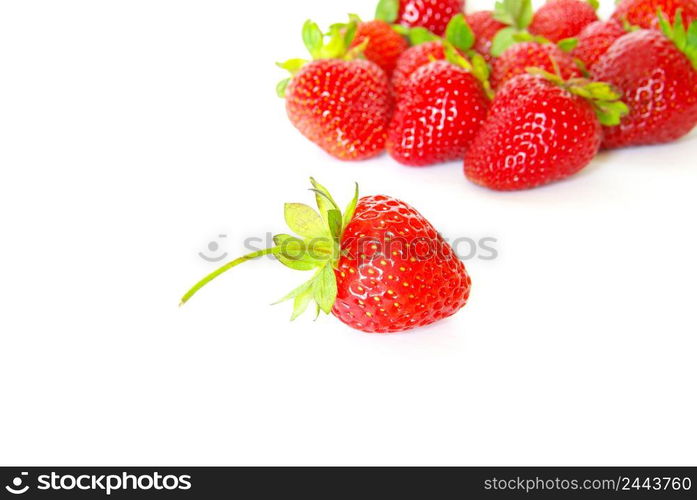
(324, 199)
(317, 246)
(335, 223)
(281, 87)
(459, 33)
(515, 13)
(567, 44)
(402, 30)
(387, 10)
(684, 40)
(324, 288)
(304, 221)
(350, 209)
(293, 253)
(503, 39)
(313, 38)
(594, 3)
(292, 66)
(477, 66)
(605, 100)
(419, 35)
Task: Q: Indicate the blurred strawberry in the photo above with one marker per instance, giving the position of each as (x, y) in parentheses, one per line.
(657, 72)
(433, 15)
(340, 103)
(642, 13)
(520, 56)
(439, 111)
(485, 26)
(594, 40)
(560, 19)
(540, 129)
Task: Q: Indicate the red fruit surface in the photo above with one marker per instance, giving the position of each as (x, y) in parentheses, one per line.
(659, 85)
(397, 272)
(342, 106)
(520, 56)
(412, 59)
(385, 45)
(595, 40)
(433, 15)
(559, 19)
(536, 133)
(438, 113)
(642, 13)
(485, 28)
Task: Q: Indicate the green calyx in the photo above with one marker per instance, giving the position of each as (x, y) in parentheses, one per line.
(517, 14)
(332, 45)
(594, 3)
(314, 246)
(606, 101)
(458, 40)
(684, 39)
(474, 64)
(387, 10)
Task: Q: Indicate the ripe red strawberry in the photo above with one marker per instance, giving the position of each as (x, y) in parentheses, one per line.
(540, 130)
(428, 48)
(341, 105)
(379, 268)
(642, 13)
(560, 19)
(409, 277)
(433, 15)
(594, 40)
(437, 115)
(383, 44)
(412, 59)
(485, 27)
(520, 56)
(658, 75)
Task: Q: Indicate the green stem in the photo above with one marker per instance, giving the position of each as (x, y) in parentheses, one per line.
(226, 267)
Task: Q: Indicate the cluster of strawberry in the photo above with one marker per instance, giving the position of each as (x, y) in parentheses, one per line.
(524, 98)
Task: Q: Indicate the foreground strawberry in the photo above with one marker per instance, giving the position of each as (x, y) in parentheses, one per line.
(657, 72)
(440, 109)
(594, 40)
(642, 13)
(433, 15)
(540, 129)
(380, 267)
(338, 102)
(560, 19)
(520, 56)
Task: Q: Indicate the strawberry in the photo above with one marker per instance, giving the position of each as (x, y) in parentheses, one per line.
(560, 19)
(380, 267)
(384, 45)
(520, 56)
(657, 72)
(642, 13)
(485, 27)
(439, 111)
(594, 40)
(341, 104)
(427, 48)
(540, 129)
(433, 15)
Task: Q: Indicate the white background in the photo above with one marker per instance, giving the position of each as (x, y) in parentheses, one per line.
(132, 133)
